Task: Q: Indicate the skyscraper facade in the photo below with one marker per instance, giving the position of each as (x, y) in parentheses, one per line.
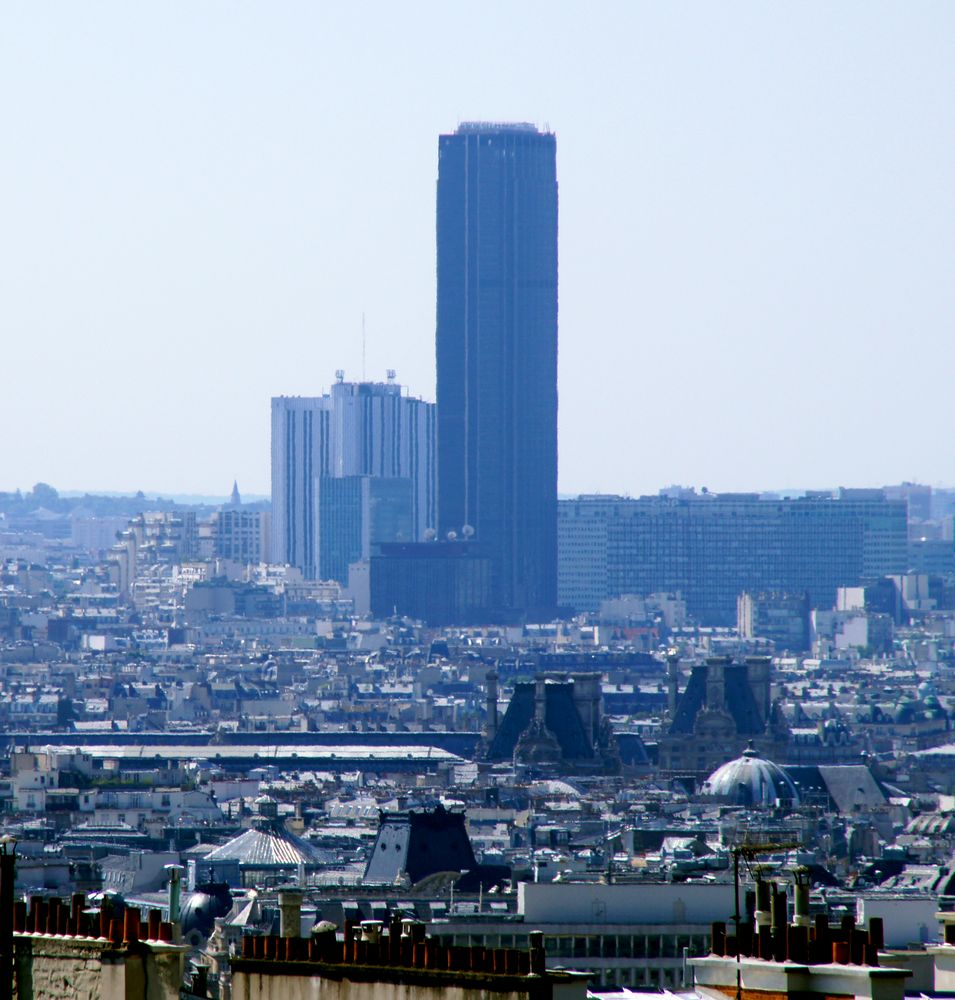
(358, 429)
(497, 354)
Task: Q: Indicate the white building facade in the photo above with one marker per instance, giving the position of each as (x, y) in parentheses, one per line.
(356, 429)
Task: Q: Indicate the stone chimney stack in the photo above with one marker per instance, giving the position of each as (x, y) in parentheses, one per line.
(759, 673)
(587, 695)
(491, 696)
(540, 699)
(290, 913)
(716, 683)
(673, 682)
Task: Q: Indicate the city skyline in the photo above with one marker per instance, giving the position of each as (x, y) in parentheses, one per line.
(588, 578)
(756, 229)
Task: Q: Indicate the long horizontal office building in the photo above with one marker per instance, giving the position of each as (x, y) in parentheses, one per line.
(710, 548)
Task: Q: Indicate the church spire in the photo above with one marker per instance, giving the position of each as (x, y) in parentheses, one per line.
(236, 500)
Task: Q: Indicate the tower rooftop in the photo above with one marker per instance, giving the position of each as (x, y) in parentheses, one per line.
(470, 127)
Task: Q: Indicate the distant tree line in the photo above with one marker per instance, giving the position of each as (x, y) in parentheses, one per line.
(45, 496)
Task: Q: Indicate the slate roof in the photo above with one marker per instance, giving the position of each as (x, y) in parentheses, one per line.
(737, 698)
(848, 785)
(560, 716)
(852, 785)
(419, 844)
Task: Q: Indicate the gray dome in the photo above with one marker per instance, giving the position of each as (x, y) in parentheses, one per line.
(908, 711)
(751, 780)
(199, 912)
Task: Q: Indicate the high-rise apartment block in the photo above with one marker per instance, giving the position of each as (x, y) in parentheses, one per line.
(497, 355)
(241, 535)
(358, 430)
(711, 548)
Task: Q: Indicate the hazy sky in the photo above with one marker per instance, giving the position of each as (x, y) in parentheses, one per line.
(198, 201)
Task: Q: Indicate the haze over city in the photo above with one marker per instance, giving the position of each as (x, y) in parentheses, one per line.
(476, 517)
(756, 231)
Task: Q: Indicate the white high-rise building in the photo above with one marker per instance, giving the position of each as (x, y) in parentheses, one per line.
(356, 429)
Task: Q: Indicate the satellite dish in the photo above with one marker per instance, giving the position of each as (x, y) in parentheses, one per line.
(467, 531)
(452, 536)
(430, 535)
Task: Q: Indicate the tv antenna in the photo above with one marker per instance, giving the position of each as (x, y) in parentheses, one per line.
(749, 853)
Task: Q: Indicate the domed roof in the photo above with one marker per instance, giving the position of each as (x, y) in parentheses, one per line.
(751, 780)
(199, 912)
(934, 709)
(908, 709)
(927, 687)
(267, 806)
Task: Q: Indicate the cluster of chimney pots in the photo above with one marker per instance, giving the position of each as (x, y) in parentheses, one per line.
(765, 932)
(401, 943)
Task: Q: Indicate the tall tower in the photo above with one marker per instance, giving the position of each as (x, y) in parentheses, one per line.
(497, 354)
(349, 468)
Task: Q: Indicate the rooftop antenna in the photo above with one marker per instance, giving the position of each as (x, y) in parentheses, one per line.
(363, 347)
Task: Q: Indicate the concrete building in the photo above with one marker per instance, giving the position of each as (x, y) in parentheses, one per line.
(709, 549)
(780, 618)
(628, 935)
(357, 429)
(243, 536)
(95, 534)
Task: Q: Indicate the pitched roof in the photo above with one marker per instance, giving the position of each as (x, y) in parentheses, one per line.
(561, 717)
(738, 700)
(267, 846)
(419, 844)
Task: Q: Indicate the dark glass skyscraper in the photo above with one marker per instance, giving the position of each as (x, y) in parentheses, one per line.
(497, 354)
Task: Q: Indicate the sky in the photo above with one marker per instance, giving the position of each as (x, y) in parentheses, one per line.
(200, 201)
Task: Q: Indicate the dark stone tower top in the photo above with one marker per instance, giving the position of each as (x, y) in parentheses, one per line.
(556, 721)
(719, 685)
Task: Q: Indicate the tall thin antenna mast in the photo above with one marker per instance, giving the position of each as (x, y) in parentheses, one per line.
(363, 347)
